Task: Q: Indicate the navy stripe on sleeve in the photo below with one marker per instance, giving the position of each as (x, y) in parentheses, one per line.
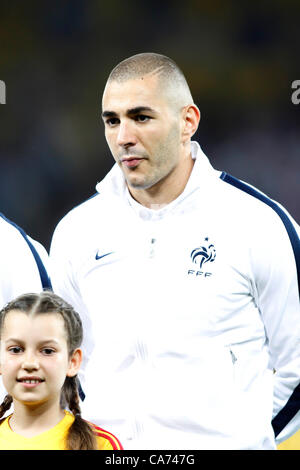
(293, 236)
(287, 413)
(45, 280)
(292, 406)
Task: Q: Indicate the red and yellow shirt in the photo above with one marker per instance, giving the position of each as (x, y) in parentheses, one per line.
(54, 438)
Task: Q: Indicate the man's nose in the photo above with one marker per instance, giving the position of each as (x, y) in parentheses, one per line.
(126, 136)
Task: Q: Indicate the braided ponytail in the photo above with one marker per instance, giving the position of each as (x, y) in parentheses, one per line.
(5, 405)
(80, 435)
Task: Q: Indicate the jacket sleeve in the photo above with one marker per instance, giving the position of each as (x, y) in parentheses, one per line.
(277, 266)
(24, 263)
(24, 267)
(64, 260)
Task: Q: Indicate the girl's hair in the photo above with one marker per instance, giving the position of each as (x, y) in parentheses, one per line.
(80, 435)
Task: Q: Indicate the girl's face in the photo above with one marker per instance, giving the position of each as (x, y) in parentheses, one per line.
(34, 358)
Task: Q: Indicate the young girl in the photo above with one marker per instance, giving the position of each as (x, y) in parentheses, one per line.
(40, 355)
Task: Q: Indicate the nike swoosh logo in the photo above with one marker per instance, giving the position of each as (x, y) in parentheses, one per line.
(102, 256)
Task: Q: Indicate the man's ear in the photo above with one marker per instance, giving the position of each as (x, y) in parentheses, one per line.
(191, 118)
(74, 363)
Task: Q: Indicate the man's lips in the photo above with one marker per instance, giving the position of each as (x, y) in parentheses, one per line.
(131, 162)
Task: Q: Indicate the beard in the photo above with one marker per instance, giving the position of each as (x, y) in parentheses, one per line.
(155, 168)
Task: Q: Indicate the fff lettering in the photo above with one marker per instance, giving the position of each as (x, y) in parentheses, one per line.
(296, 94)
(199, 273)
(2, 92)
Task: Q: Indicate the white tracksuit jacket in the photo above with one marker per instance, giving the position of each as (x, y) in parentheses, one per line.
(23, 266)
(191, 313)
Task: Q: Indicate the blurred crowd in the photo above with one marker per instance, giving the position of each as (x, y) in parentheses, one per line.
(240, 61)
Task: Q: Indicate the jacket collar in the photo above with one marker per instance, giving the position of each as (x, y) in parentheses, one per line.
(114, 182)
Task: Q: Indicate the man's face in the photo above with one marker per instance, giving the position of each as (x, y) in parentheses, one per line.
(142, 130)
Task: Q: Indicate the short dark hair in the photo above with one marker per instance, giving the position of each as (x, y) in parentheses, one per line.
(147, 63)
(142, 64)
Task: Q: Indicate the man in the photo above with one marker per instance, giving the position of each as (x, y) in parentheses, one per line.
(23, 266)
(186, 280)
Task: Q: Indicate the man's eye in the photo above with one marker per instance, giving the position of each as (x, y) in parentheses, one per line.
(142, 118)
(112, 121)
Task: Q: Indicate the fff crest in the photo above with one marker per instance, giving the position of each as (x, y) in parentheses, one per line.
(206, 253)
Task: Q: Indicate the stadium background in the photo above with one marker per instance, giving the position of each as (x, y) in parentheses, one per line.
(240, 59)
